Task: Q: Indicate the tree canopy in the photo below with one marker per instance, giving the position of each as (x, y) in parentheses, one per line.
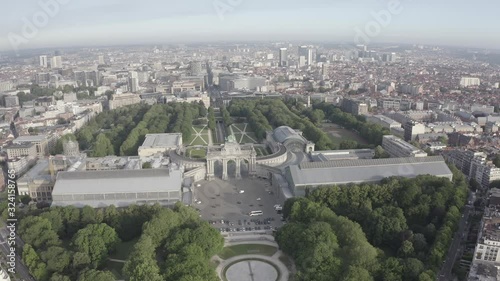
(66, 243)
(413, 220)
(128, 126)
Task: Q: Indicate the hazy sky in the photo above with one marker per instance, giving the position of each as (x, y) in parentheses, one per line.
(113, 22)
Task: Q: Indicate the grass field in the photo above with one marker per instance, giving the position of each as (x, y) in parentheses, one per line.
(261, 151)
(338, 134)
(123, 250)
(242, 133)
(239, 126)
(247, 249)
(196, 153)
(199, 135)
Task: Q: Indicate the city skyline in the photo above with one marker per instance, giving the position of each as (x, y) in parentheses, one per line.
(124, 22)
(124, 116)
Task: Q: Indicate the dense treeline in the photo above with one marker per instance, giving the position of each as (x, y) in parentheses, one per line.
(226, 116)
(211, 119)
(410, 221)
(182, 243)
(371, 132)
(114, 124)
(263, 115)
(74, 244)
(184, 114)
(127, 127)
(325, 246)
(36, 91)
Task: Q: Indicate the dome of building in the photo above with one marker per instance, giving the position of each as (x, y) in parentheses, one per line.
(284, 133)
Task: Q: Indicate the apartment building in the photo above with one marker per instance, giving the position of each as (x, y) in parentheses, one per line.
(413, 129)
(475, 166)
(39, 181)
(394, 104)
(43, 143)
(486, 257)
(398, 148)
(354, 107)
(384, 121)
(121, 100)
(20, 150)
(470, 81)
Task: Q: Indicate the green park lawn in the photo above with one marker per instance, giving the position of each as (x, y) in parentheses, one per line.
(197, 153)
(238, 130)
(247, 249)
(196, 139)
(338, 134)
(240, 126)
(249, 138)
(261, 151)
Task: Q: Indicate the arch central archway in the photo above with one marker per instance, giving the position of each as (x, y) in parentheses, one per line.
(231, 153)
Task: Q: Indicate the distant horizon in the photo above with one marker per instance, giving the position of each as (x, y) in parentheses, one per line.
(224, 42)
(69, 23)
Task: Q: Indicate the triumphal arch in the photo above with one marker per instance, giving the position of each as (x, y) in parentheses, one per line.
(231, 151)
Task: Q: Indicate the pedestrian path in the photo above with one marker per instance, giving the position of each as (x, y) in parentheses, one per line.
(199, 135)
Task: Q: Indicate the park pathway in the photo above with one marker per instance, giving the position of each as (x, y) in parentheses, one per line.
(198, 135)
(115, 260)
(210, 140)
(242, 132)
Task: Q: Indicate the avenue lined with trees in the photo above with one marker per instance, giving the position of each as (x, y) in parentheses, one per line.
(372, 133)
(128, 126)
(264, 115)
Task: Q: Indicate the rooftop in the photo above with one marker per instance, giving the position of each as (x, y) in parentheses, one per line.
(116, 162)
(491, 229)
(387, 119)
(284, 133)
(117, 181)
(366, 170)
(162, 140)
(39, 172)
(37, 138)
(323, 156)
(401, 143)
(484, 272)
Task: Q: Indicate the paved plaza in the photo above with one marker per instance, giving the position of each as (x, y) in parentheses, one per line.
(227, 204)
(251, 270)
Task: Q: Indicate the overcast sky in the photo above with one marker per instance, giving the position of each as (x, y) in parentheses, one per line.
(114, 22)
